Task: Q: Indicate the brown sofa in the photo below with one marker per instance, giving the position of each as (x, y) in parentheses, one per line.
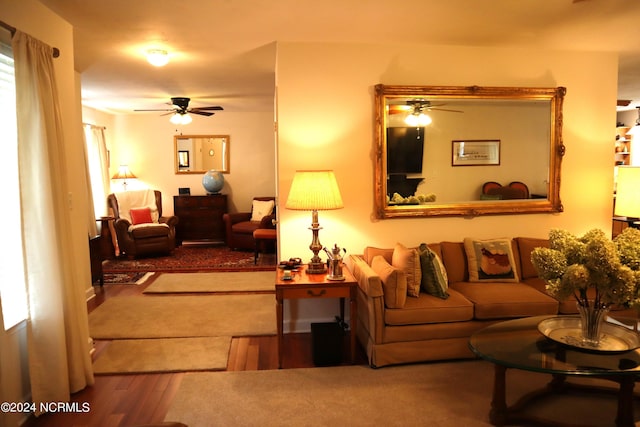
(429, 328)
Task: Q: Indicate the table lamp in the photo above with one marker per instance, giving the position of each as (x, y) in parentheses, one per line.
(627, 201)
(124, 173)
(314, 190)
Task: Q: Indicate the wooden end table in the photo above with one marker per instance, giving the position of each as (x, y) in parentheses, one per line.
(303, 285)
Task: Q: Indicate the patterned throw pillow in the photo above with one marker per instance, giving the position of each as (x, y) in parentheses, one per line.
(394, 282)
(434, 275)
(408, 261)
(490, 260)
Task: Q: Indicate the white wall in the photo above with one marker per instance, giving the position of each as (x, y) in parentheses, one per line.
(33, 18)
(335, 131)
(145, 143)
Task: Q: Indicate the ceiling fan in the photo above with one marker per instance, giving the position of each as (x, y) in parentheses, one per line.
(180, 106)
(417, 106)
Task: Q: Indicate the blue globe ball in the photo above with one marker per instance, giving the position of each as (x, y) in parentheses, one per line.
(213, 181)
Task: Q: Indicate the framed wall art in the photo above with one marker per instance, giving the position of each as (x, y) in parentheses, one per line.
(475, 152)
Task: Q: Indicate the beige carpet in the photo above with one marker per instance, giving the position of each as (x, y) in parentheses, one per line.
(163, 355)
(213, 282)
(450, 394)
(184, 316)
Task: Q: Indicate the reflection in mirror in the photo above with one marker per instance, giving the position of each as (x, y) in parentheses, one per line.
(200, 153)
(437, 147)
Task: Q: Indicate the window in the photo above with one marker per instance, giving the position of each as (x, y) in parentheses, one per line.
(12, 275)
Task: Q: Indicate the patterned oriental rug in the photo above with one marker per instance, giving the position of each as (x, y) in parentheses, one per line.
(193, 259)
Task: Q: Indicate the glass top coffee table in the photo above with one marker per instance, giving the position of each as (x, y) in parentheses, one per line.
(518, 344)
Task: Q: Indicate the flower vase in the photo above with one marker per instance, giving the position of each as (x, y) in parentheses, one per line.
(591, 320)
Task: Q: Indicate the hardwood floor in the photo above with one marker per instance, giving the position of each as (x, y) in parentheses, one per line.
(130, 400)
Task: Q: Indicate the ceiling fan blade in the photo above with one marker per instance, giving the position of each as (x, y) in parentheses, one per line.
(170, 109)
(444, 109)
(202, 113)
(216, 107)
(395, 109)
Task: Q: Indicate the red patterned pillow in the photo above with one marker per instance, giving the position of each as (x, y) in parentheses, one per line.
(140, 216)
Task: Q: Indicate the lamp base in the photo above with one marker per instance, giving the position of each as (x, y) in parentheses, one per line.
(316, 268)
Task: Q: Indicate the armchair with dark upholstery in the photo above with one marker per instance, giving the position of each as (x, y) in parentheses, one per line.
(494, 190)
(142, 230)
(239, 226)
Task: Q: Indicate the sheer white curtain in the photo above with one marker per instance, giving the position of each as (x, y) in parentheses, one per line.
(97, 165)
(57, 328)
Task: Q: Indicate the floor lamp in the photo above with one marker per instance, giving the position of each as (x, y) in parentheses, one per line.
(627, 201)
(314, 191)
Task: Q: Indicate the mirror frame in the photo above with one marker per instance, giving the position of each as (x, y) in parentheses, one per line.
(551, 204)
(176, 160)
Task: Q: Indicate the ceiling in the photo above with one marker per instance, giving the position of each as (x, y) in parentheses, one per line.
(223, 51)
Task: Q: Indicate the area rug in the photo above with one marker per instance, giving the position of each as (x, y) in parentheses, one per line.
(449, 394)
(163, 355)
(184, 316)
(126, 278)
(213, 282)
(191, 258)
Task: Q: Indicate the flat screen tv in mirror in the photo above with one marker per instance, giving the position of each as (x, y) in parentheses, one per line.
(508, 135)
(405, 148)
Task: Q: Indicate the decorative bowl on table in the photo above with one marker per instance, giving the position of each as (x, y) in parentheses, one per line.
(567, 330)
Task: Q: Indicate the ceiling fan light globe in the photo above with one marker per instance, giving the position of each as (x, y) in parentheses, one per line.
(411, 120)
(176, 119)
(186, 119)
(424, 120)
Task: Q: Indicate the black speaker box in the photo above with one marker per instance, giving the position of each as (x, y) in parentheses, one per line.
(327, 342)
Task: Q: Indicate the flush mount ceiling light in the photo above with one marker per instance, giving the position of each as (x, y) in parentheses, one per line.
(158, 57)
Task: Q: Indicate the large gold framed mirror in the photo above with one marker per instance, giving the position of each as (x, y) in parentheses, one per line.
(467, 150)
(196, 154)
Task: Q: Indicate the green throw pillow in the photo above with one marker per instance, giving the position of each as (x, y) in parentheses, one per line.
(434, 276)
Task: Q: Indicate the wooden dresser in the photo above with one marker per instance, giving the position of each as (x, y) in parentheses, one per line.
(200, 218)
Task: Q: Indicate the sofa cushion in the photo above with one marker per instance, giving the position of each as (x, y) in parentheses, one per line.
(455, 261)
(245, 227)
(149, 230)
(368, 281)
(490, 260)
(526, 245)
(408, 261)
(370, 252)
(394, 282)
(496, 300)
(429, 309)
(434, 275)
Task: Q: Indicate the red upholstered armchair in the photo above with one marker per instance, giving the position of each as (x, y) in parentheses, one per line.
(241, 225)
(495, 190)
(140, 227)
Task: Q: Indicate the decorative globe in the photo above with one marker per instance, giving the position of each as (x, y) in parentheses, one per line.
(213, 181)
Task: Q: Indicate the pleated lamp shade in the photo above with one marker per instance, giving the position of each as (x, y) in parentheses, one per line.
(314, 190)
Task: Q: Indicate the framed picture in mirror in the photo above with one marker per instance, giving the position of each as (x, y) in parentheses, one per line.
(183, 159)
(475, 153)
